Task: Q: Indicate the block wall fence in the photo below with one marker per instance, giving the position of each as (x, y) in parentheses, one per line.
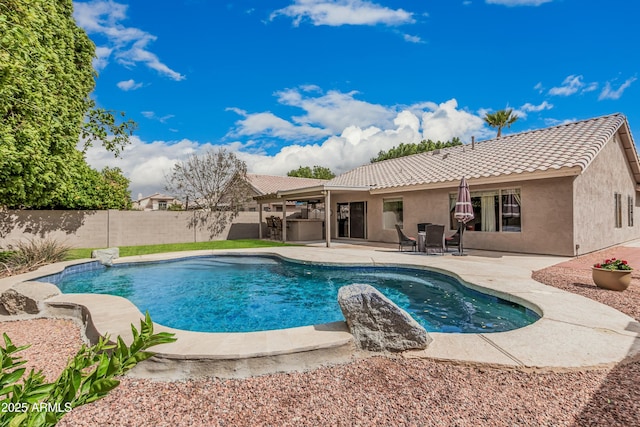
(101, 229)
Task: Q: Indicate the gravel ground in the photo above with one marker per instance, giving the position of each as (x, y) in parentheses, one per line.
(376, 391)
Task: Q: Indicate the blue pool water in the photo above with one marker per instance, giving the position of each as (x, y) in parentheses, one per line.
(253, 293)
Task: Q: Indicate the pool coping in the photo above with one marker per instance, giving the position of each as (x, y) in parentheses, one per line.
(573, 332)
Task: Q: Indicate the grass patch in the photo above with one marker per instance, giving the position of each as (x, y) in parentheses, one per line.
(177, 247)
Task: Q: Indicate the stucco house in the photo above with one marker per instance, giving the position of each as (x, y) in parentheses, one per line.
(564, 190)
(155, 202)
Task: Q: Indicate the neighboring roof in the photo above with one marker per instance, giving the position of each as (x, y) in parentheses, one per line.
(157, 196)
(268, 184)
(556, 151)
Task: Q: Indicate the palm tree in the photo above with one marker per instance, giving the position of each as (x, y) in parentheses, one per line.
(501, 119)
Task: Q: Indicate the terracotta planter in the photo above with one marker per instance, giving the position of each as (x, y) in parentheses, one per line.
(615, 280)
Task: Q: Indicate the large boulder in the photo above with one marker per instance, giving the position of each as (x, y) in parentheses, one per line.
(376, 323)
(25, 297)
(106, 256)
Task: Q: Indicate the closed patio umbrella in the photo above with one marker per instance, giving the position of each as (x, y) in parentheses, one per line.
(464, 210)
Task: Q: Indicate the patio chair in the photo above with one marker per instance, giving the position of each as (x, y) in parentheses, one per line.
(434, 238)
(404, 240)
(453, 240)
(271, 227)
(277, 221)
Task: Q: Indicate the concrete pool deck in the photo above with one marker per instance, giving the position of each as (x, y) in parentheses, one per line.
(574, 331)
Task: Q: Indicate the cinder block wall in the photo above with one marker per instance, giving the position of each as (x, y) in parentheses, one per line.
(98, 229)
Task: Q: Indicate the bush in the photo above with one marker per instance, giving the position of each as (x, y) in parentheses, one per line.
(89, 376)
(32, 254)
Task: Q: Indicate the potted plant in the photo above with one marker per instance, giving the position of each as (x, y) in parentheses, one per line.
(614, 274)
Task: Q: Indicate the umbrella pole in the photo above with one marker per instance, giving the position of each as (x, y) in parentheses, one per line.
(460, 248)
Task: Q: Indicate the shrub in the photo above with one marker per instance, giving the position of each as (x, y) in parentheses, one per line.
(31, 254)
(89, 376)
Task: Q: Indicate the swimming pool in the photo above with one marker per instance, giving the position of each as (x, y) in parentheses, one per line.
(234, 293)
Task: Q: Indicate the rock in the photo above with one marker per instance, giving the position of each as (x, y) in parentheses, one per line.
(24, 298)
(106, 256)
(377, 323)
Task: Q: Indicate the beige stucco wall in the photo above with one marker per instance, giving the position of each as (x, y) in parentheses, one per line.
(547, 209)
(98, 229)
(608, 173)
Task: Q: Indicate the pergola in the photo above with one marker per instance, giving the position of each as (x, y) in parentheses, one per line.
(316, 193)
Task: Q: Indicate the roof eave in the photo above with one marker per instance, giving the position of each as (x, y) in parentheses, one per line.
(474, 181)
(316, 191)
(630, 150)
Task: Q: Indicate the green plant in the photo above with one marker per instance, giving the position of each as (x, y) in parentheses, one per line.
(89, 376)
(613, 264)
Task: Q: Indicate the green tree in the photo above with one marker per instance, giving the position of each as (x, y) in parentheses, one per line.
(46, 77)
(500, 119)
(318, 172)
(423, 146)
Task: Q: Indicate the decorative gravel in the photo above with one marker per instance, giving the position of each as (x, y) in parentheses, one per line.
(378, 391)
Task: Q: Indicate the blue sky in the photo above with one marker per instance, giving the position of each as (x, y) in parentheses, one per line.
(285, 83)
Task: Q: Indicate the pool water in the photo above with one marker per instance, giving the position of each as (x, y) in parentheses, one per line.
(254, 293)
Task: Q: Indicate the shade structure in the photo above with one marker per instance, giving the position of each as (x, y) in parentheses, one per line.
(464, 210)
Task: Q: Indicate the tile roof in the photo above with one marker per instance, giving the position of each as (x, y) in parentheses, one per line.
(551, 149)
(268, 184)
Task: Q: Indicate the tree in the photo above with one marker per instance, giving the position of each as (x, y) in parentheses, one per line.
(409, 149)
(318, 172)
(46, 77)
(500, 119)
(215, 183)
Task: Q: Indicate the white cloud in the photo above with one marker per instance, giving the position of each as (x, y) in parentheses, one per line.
(269, 125)
(445, 121)
(127, 85)
(152, 116)
(336, 110)
(538, 87)
(412, 39)
(511, 3)
(609, 93)
(571, 85)
(102, 57)
(324, 114)
(530, 108)
(343, 12)
(128, 45)
(146, 164)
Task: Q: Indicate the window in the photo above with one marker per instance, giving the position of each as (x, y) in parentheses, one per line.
(618, 209)
(162, 206)
(630, 211)
(391, 213)
(497, 210)
(510, 200)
